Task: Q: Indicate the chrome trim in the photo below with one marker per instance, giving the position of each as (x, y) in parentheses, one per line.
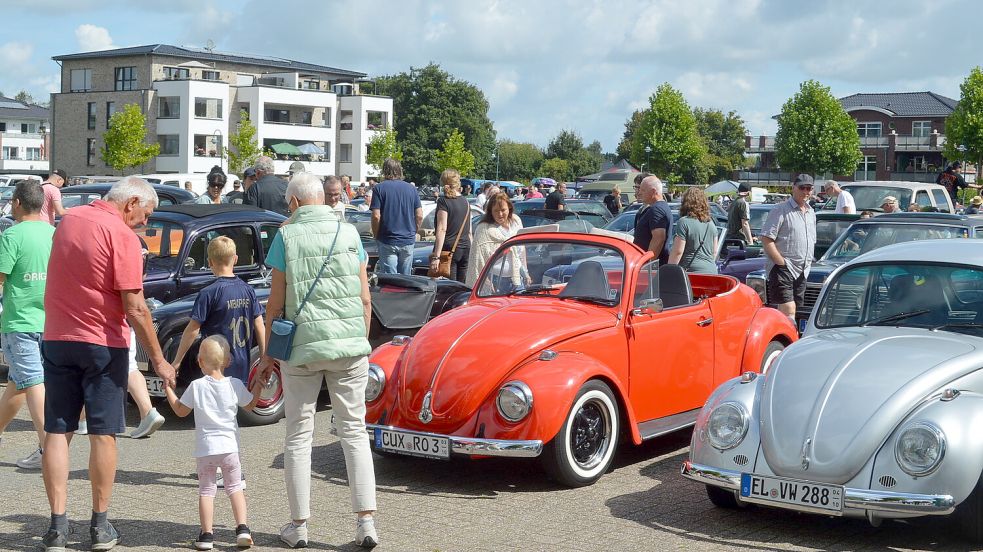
(380, 375)
(939, 436)
(549, 354)
(748, 377)
(523, 390)
(399, 340)
(478, 446)
(853, 499)
(746, 418)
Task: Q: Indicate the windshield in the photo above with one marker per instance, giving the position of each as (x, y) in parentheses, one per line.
(757, 218)
(913, 294)
(861, 238)
(625, 222)
(576, 271)
(870, 198)
(163, 240)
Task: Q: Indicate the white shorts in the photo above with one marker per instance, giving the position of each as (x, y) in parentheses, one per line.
(133, 351)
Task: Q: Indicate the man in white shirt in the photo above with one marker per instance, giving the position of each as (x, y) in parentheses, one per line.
(333, 195)
(844, 201)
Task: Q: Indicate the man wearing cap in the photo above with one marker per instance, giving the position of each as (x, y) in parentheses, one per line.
(52, 196)
(739, 217)
(890, 205)
(788, 238)
(269, 192)
(248, 179)
(844, 199)
(295, 167)
(953, 181)
(235, 196)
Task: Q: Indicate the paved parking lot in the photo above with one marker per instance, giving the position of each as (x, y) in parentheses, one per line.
(642, 504)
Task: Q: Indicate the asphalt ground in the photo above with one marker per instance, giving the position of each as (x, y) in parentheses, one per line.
(498, 504)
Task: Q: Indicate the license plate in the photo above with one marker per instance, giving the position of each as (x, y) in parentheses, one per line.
(770, 490)
(412, 444)
(155, 386)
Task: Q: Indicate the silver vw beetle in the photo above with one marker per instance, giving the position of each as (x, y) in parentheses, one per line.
(877, 412)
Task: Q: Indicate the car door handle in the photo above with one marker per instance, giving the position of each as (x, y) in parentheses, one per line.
(705, 322)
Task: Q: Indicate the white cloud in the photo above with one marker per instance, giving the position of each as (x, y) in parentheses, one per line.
(718, 90)
(504, 87)
(15, 57)
(91, 38)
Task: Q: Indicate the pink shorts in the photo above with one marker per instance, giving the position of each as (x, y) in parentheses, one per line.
(231, 473)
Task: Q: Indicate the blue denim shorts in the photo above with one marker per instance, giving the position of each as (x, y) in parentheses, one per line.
(22, 351)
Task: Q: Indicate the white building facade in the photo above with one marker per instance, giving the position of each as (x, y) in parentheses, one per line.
(24, 138)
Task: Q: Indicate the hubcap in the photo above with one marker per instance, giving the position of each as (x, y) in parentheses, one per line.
(590, 434)
(271, 395)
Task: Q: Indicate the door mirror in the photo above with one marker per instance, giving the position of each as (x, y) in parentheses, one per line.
(648, 307)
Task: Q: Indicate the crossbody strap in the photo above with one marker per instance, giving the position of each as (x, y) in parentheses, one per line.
(327, 259)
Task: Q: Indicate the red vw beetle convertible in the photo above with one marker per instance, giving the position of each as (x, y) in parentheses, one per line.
(568, 342)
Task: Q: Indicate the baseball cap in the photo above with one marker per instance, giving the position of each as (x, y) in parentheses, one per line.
(61, 173)
(743, 188)
(296, 166)
(889, 199)
(956, 164)
(804, 179)
(249, 173)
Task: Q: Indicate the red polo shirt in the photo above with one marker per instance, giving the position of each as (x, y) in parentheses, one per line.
(94, 256)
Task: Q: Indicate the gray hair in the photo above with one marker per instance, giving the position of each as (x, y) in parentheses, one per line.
(265, 164)
(130, 187)
(653, 181)
(30, 195)
(331, 179)
(306, 188)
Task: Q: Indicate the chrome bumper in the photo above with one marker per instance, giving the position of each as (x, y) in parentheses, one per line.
(853, 499)
(477, 446)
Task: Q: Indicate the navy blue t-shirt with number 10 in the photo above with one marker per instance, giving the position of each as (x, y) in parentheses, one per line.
(228, 307)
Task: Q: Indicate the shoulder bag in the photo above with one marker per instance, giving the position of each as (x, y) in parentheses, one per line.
(444, 260)
(282, 330)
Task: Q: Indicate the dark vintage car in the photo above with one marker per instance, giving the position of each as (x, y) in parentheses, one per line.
(592, 211)
(83, 194)
(400, 306)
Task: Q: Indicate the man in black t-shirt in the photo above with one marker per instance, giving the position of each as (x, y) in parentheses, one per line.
(557, 199)
(953, 181)
(653, 222)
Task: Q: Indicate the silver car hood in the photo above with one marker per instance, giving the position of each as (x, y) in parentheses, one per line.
(833, 397)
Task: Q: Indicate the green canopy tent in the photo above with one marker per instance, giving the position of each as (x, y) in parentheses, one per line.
(286, 148)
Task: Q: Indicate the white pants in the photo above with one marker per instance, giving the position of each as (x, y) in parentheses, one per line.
(346, 379)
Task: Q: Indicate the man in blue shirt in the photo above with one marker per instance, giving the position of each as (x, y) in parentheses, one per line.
(396, 216)
(653, 222)
(227, 307)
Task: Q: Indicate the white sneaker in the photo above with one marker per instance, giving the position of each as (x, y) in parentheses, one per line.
(295, 536)
(365, 535)
(148, 425)
(31, 461)
(83, 428)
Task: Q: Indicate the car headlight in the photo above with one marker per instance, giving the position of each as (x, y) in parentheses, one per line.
(727, 425)
(514, 401)
(757, 283)
(920, 448)
(376, 383)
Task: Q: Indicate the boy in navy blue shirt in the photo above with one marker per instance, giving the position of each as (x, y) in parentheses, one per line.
(227, 307)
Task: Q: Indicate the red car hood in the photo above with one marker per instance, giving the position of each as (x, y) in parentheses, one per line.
(463, 355)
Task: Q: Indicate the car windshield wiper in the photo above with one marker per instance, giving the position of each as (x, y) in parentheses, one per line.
(590, 299)
(894, 318)
(954, 325)
(535, 289)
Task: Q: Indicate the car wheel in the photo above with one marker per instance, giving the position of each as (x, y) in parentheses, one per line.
(969, 514)
(721, 498)
(269, 408)
(771, 353)
(583, 448)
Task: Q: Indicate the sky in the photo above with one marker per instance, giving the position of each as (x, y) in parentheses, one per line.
(544, 66)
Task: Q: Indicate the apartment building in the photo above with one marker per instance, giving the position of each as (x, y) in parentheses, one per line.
(901, 138)
(192, 99)
(24, 137)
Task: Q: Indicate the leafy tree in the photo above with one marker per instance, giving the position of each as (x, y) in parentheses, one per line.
(624, 147)
(965, 126)
(815, 135)
(555, 168)
(668, 129)
(518, 161)
(568, 145)
(454, 156)
(428, 104)
(124, 140)
(245, 144)
(383, 146)
(723, 136)
(24, 97)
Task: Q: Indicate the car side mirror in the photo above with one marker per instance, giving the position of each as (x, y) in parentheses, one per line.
(648, 307)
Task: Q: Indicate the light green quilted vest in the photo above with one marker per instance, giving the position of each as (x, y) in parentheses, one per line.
(332, 324)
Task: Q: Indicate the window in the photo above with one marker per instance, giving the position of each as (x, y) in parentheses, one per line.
(326, 122)
(867, 168)
(3, 127)
(375, 120)
(276, 115)
(170, 144)
(171, 73)
(345, 153)
(10, 152)
(345, 120)
(81, 80)
(90, 152)
(941, 200)
(110, 109)
(921, 128)
(869, 130)
(33, 154)
(306, 117)
(266, 234)
(312, 84)
(126, 78)
(921, 198)
(647, 286)
(327, 153)
(169, 107)
(210, 75)
(92, 116)
(208, 108)
(208, 145)
(245, 247)
(245, 80)
(28, 128)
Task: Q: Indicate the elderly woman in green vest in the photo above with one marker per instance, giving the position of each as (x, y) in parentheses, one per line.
(330, 345)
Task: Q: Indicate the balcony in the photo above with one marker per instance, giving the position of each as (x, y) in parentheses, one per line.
(753, 144)
(916, 176)
(25, 135)
(873, 141)
(768, 177)
(24, 165)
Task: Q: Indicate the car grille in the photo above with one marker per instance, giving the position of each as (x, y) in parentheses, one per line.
(811, 295)
(142, 355)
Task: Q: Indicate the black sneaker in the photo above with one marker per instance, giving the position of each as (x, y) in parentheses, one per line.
(205, 541)
(243, 538)
(104, 538)
(54, 541)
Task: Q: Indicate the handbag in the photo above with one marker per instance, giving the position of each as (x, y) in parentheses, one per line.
(444, 259)
(282, 330)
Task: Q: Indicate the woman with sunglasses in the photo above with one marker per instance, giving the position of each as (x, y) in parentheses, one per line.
(216, 182)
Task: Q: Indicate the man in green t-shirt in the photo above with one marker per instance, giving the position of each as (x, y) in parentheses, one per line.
(24, 251)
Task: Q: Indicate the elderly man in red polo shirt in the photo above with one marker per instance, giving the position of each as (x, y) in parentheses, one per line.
(95, 285)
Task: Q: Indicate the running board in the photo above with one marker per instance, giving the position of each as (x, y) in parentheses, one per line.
(661, 426)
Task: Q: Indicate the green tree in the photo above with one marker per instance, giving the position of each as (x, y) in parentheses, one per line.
(428, 104)
(24, 97)
(383, 145)
(125, 139)
(568, 145)
(454, 155)
(244, 145)
(815, 135)
(668, 130)
(965, 126)
(555, 168)
(723, 137)
(518, 161)
(624, 147)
